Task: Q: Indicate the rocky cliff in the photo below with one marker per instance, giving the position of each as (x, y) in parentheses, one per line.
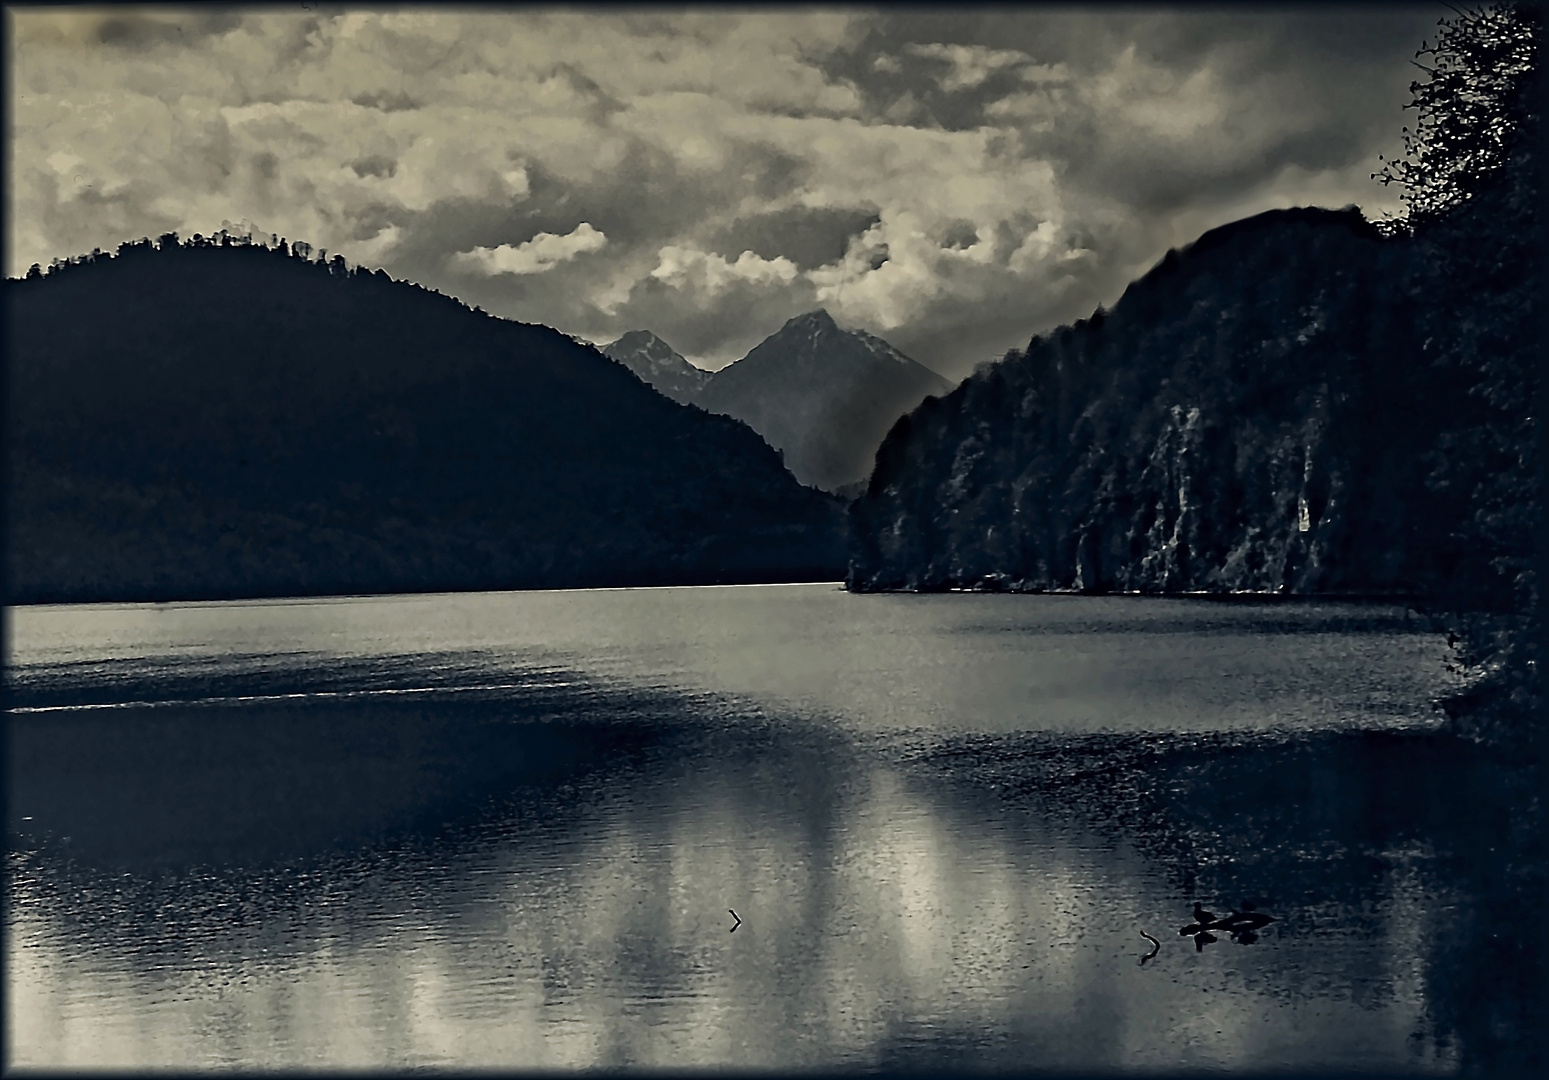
(1250, 416)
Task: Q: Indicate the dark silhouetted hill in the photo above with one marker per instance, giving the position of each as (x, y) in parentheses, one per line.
(1252, 415)
(658, 364)
(210, 420)
(823, 396)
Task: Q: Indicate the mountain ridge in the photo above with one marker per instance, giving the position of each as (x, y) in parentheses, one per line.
(1244, 419)
(658, 364)
(216, 419)
(823, 396)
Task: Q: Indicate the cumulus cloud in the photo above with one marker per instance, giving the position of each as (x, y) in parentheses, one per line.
(536, 256)
(954, 180)
(968, 65)
(376, 248)
(683, 267)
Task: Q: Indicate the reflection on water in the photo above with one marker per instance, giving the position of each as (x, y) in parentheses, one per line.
(879, 924)
(987, 663)
(540, 873)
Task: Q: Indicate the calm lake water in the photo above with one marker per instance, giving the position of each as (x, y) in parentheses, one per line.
(510, 829)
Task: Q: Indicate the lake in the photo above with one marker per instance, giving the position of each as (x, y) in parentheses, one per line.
(511, 829)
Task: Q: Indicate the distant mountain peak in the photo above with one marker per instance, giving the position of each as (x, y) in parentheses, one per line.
(815, 327)
(819, 317)
(657, 364)
(822, 395)
(812, 324)
(883, 350)
(636, 339)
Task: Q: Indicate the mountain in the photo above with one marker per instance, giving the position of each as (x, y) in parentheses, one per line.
(823, 396)
(1250, 416)
(215, 419)
(658, 365)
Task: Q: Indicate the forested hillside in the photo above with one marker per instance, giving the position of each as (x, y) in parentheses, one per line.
(1297, 403)
(1246, 418)
(218, 418)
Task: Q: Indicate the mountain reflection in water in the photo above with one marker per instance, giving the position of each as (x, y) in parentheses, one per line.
(540, 876)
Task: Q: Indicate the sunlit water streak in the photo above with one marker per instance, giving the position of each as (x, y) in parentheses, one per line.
(917, 881)
(308, 696)
(1002, 663)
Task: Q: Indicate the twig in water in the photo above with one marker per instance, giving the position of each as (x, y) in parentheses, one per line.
(1156, 947)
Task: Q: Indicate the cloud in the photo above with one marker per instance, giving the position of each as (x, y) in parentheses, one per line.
(957, 180)
(377, 247)
(969, 65)
(124, 28)
(1035, 248)
(808, 236)
(906, 263)
(536, 256)
(684, 267)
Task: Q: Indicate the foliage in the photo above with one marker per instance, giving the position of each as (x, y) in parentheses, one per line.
(1472, 185)
(1247, 418)
(222, 418)
(1471, 107)
(1251, 415)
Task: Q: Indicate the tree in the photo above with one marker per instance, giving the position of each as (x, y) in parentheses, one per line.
(1471, 184)
(1473, 107)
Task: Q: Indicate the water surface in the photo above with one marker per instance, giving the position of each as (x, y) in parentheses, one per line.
(509, 829)
(946, 662)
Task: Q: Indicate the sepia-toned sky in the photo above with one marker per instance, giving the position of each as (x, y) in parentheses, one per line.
(954, 180)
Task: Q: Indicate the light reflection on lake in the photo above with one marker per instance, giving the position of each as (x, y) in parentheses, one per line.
(975, 662)
(964, 892)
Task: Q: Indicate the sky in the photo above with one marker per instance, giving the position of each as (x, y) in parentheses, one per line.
(954, 180)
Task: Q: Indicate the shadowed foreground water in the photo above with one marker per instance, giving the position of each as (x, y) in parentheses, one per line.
(499, 854)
